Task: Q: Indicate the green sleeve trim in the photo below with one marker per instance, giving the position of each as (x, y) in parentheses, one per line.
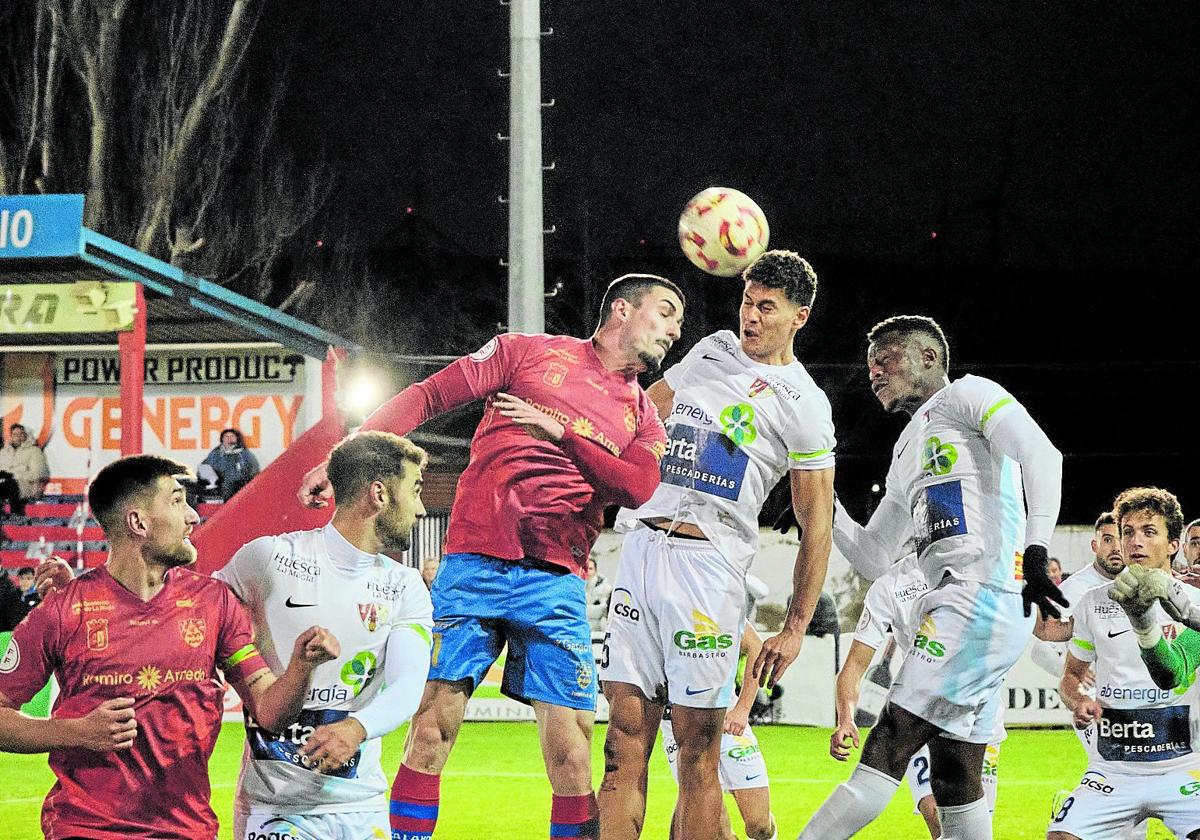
(241, 656)
(1083, 644)
(808, 456)
(421, 631)
(987, 415)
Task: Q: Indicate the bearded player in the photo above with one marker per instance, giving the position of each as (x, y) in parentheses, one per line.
(566, 432)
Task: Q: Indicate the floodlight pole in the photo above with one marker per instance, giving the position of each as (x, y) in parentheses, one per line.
(526, 268)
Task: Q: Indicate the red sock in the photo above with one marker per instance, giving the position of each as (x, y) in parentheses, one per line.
(414, 806)
(575, 816)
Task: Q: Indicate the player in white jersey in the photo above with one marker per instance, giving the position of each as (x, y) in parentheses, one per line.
(1143, 754)
(321, 777)
(743, 770)
(955, 487)
(741, 412)
(890, 610)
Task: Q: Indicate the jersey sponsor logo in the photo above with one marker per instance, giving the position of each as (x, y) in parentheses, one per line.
(908, 593)
(185, 603)
(692, 692)
(737, 422)
(486, 351)
(744, 752)
(1191, 788)
(623, 604)
(1113, 635)
(555, 374)
(705, 640)
(583, 675)
(267, 746)
(86, 606)
(704, 460)
(11, 659)
(276, 828)
(1141, 694)
(148, 678)
(991, 761)
(1097, 781)
(938, 514)
(288, 603)
(925, 645)
(760, 388)
(327, 694)
(97, 633)
(385, 591)
(369, 614)
(192, 631)
(692, 412)
(306, 570)
(1107, 609)
(711, 358)
(938, 458)
(1144, 734)
(358, 671)
(563, 355)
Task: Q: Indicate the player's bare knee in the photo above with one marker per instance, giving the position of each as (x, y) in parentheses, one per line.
(759, 827)
(1063, 835)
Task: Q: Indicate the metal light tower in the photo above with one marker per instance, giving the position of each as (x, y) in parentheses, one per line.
(526, 268)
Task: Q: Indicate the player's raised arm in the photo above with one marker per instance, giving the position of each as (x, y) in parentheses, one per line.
(274, 702)
(873, 549)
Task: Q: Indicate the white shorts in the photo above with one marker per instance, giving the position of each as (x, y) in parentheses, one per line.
(742, 766)
(1107, 803)
(675, 620)
(970, 637)
(918, 775)
(348, 825)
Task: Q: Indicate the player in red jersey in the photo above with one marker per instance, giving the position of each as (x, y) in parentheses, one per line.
(567, 431)
(135, 645)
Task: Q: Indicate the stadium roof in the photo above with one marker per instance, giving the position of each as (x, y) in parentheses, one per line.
(181, 309)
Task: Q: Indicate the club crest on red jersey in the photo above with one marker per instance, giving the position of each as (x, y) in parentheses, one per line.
(369, 613)
(555, 375)
(97, 633)
(192, 630)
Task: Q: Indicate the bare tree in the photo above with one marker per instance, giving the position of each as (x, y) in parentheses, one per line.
(178, 157)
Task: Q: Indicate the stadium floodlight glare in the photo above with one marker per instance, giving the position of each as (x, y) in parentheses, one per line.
(364, 392)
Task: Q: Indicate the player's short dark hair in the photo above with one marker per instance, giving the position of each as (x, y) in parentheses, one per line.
(633, 287)
(906, 325)
(125, 479)
(1105, 518)
(17, 426)
(1151, 500)
(370, 456)
(1190, 526)
(25, 570)
(784, 270)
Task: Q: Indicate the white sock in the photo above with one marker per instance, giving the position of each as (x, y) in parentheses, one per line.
(966, 822)
(774, 825)
(852, 805)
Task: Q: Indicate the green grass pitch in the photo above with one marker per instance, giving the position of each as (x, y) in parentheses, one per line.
(494, 786)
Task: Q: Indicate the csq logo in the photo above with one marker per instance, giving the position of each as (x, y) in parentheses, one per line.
(623, 606)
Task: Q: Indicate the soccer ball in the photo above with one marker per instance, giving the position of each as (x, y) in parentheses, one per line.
(722, 231)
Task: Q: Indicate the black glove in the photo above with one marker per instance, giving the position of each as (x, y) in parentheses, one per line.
(1039, 589)
(786, 519)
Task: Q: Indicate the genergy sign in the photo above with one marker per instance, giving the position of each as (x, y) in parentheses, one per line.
(70, 401)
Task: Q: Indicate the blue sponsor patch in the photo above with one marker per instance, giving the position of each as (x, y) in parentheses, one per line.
(938, 513)
(705, 460)
(267, 746)
(1144, 734)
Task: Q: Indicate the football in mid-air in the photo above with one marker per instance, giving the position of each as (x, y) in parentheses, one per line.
(722, 231)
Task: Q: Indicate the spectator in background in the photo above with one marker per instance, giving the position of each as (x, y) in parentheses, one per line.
(1054, 570)
(27, 583)
(233, 464)
(429, 570)
(1188, 560)
(598, 592)
(23, 470)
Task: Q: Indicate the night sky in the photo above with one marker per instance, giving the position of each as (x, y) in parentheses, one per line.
(1053, 149)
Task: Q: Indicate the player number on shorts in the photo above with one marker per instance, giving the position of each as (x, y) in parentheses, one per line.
(922, 765)
(1066, 806)
(16, 229)
(604, 651)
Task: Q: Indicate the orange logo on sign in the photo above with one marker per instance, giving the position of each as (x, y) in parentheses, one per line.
(97, 633)
(192, 630)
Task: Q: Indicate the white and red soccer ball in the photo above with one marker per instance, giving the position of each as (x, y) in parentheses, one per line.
(722, 231)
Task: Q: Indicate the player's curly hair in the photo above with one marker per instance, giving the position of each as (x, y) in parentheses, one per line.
(123, 480)
(906, 325)
(785, 270)
(1151, 500)
(370, 456)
